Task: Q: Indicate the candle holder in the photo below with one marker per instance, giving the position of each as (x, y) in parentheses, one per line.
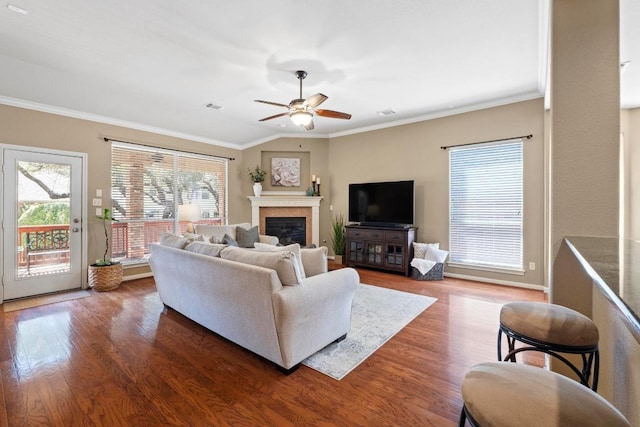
(318, 192)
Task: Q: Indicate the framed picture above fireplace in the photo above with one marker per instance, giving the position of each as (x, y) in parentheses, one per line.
(289, 172)
(285, 172)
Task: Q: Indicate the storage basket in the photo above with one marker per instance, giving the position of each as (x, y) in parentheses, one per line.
(436, 273)
(105, 277)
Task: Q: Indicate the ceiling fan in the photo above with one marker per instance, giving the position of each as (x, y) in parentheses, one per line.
(302, 110)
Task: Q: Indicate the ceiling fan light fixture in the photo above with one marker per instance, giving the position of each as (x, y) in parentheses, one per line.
(301, 118)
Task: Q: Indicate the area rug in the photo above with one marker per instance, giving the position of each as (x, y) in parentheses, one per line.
(43, 300)
(378, 314)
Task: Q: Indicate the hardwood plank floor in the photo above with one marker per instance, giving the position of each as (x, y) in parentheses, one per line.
(118, 359)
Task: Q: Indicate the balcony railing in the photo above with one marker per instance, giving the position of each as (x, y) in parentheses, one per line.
(49, 244)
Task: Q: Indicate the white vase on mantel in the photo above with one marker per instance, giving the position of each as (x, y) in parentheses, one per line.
(257, 189)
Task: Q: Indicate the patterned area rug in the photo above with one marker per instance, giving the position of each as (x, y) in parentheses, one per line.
(378, 314)
(43, 300)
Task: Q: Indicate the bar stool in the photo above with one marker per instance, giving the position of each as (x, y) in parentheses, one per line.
(551, 329)
(507, 394)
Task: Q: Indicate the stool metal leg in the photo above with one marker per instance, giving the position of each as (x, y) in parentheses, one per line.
(590, 355)
(465, 416)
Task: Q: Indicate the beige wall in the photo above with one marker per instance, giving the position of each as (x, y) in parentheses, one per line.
(630, 130)
(37, 129)
(585, 125)
(413, 152)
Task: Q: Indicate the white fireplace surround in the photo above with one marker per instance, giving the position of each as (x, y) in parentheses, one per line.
(312, 202)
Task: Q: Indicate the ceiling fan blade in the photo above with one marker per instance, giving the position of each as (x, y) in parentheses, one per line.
(272, 103)
(273, 117)
(314, 100)
(333, 114)
(309, 126)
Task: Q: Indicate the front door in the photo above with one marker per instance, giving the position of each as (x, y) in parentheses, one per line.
(42, 222)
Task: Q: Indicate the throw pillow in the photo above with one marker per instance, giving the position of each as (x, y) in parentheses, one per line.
(314, 260)
(173, 241)
(247, 238)
(203, 248)
(294, 247)
(420, 249)
(216, 232)
(284, 263)
(435, 254)
(195, 237)
(228, 240)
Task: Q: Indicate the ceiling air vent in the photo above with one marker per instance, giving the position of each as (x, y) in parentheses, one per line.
(387, 112)
(214, 106)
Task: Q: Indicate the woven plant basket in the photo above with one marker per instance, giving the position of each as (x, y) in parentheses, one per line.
(105, 277)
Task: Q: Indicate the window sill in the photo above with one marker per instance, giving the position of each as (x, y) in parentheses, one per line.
(487, 268)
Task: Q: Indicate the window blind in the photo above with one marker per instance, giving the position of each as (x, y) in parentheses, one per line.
(485, 205)
(148, 185)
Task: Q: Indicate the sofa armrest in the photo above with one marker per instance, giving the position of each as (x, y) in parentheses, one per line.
(315, 313)
(270, 240)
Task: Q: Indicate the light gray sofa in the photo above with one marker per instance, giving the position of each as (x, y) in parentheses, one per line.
(250, 306)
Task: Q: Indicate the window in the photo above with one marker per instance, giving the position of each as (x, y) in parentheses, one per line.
(485, 205)
(148, 185)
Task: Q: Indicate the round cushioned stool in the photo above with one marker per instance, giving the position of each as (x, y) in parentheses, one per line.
(509, 394)
(551, 329)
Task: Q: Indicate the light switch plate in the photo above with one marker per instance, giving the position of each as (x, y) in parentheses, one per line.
(99, 192)
(99, 212)
(97, 202)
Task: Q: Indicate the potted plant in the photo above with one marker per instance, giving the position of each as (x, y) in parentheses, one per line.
(105, 275)
(338, 238)
(257, 176)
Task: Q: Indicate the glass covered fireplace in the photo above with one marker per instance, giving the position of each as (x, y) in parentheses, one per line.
(287, 229)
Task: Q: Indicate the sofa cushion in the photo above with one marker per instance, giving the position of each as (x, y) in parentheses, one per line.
(173, 241)
(294, 247)
(283, 262)
(204, 248)
(247, 238)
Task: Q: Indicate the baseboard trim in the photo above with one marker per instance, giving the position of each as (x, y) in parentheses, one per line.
(137, 276)
(495, 281)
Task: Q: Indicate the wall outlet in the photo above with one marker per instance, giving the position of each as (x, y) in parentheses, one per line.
(99, 212)
(532, 266)
(99, 192)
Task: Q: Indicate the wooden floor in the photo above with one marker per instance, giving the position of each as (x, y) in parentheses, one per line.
(116, 359)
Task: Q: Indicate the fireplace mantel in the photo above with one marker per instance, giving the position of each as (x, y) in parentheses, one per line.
(312, 202)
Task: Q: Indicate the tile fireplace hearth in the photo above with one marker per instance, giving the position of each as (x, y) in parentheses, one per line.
(288, 207)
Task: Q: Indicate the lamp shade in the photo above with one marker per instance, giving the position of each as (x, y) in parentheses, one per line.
(301, 118)
(189, 213)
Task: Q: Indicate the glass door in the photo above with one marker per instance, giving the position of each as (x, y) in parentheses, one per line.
(42, 207)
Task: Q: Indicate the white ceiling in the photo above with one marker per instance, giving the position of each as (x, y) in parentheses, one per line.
(154, 65)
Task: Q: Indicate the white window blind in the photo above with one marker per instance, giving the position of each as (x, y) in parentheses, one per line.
(148, 185)
(485, 205)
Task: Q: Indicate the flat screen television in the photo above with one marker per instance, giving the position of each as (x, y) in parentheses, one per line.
(383, 204)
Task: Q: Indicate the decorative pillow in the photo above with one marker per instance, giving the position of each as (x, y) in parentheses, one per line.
(294, 247)
(283, 262)
(196, 237)
(247, 238)
(228, 240)
(435, 254)
(314, 260)
(205, 248)
(420, 249)
(173, 241)
(216, 232)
